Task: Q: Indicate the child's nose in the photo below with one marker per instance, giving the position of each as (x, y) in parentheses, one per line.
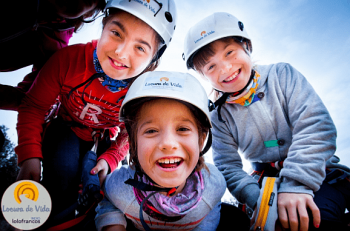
(226, 67)
(168, 142)
(122, 50)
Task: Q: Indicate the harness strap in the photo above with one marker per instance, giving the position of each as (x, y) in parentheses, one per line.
(336, 175)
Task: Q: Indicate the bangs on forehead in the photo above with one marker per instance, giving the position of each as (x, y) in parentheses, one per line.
(201, 58)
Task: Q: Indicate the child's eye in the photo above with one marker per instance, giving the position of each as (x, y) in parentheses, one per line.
(228, 53)
(183, 129)
(116, 33)
(150, 131)
(211, 67)
(141, 49)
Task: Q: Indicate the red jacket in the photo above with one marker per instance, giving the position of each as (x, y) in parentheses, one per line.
(66, 69)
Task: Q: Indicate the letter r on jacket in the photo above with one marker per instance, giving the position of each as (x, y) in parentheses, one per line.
(95, 111)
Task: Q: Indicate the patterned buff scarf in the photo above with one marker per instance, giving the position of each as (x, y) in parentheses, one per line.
(171, 209)
(247, 96)
(111, 84)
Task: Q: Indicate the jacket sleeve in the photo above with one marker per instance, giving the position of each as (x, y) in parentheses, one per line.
(118, 150)
(37, 101)
(211, 221)
(225, 154)
(313, 132)
(106, 212)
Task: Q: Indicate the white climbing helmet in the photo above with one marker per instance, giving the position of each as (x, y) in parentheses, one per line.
(211, 28)
(159, 14)
(172, 85)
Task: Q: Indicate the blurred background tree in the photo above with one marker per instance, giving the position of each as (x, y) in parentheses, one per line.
(8, 168)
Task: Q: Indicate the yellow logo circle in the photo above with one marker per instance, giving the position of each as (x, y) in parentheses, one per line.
(28, 189)
(26, 205)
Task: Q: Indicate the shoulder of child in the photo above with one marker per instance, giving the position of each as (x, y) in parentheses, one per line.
(214, 180)
(265, 70)
(284, 73)
(115, 180)
(74, 49)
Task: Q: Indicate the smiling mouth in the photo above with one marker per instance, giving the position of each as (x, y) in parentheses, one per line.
(233, 76)
(117, 64)
(170, 162)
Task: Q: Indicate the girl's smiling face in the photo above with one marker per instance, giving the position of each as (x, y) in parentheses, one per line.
(229, 69)
(168, 143)
(126, 47)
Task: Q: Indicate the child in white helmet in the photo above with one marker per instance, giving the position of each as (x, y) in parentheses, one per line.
(168, 186)
(272, 115)
(38, 29)
(91, 81)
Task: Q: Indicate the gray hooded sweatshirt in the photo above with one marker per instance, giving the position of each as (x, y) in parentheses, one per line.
(120, 202)
(289, 114)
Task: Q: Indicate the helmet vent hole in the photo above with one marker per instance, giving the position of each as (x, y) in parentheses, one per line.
(240, 25)
(168, 16)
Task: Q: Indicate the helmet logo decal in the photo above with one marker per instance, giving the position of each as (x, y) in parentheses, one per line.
(155, 6)
(164, 78)
(167, 83)
(240, 25)
(28, 189)
(204, 34)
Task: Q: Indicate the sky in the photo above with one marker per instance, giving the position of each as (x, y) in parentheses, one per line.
(311, 35)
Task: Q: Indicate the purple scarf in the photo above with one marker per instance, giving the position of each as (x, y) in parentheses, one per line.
(165, 208)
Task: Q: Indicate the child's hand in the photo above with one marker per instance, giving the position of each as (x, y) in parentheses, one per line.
(30, 170)
(102, 169)
(294, 205)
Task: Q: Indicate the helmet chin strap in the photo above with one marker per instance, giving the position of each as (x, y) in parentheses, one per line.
(218, 103)
(146, 187)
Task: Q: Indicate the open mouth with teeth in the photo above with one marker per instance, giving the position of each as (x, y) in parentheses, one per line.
(117, 64)
(170, 162)
(232, 77)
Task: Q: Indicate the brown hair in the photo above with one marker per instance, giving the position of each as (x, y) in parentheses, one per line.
(200, 58)
(132, 112)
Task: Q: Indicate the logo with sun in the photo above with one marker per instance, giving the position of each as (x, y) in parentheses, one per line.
(28, 189)
(164, 78)
(203, 33)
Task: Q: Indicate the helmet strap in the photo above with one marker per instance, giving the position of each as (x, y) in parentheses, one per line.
(218, 103)
(146, 187)
(208, 144)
